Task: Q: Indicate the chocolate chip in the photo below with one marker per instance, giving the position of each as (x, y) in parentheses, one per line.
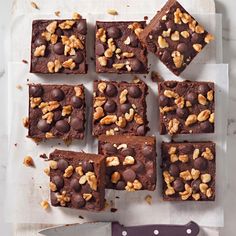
(125, 107)
(206, 126)
(200, 163)
(62, 126)
(82, 27)
(109, 149)
(170, 25)
(57, 94)
(151, 46)
(78, 57)
(35, 91)
(129, 175)
(165, 56)
(62, 164)
(113, 32)
(135, 65)
(59, 32)
(43, 126)
(110, 106)
(54, 200)
(75, 185)
(86, 188)
(148, 152)
(100, 49)
(203, 89)
(195, 185)
(78, 201)
(196, 38)
(58, 181)
(77, 124)
(163, 100)
(185, 148)
(87, 166)
(58, 48)
(133, 40)
(158, 28)
(128, 152)
(182, 48)
(150, 173)
(57, 115)
(120, 185)
(76, 102)
(40, 41)
(182, 112)
(178, 185)
(174, 170)
(192, 97)
(138, 167)
(111, 90)
(134, 91)
(141, 130)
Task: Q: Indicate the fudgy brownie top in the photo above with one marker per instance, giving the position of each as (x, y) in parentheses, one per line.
(186, 107)
(118, 49)
(130, 162)
(119, 108)
(56, 111)
(175, 36)
(77, 180)
(189, 171)
(59, 46)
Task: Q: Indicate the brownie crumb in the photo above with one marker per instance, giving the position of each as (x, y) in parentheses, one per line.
(145, 17)
(156, 77)
(43, 156)
(81, 217)
(25, 61)
(113, 210)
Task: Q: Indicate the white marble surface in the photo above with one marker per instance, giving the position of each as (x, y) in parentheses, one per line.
(227, 8)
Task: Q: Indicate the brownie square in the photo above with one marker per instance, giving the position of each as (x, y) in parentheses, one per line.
(186, 107)
(119, 108)
(77, 180)
(175, 36)
(56, 111)
(118, 49)
(188, 171)
(59, 46)
(130, 162)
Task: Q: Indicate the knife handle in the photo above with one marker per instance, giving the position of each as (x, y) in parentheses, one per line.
(190, 229)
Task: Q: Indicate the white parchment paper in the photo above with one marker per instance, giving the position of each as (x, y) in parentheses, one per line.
(27, 187)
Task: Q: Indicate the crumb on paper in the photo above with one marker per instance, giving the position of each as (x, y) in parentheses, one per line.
(113, 209)
(112, 12)
(156, 77)
(136, 79)
(47, 171)
(127, 5)
(44, 204)
(81, 217)
(57, 13)
(25, 121)
(34, 5)
(18, 86)
(28, 161)
(67, 142)
(145, 17)
(148, 199)
(76, 16)
(25, 61)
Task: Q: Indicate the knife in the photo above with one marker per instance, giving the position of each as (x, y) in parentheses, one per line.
(115, 229)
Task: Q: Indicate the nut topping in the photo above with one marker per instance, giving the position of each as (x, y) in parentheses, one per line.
(171, 94)
(40, 51)
(203, 115)
(109, 119)
(54, 67)
(162, 42)
(92, 180)
(112, 161)
(206, 178)
(102, 61)
(68, 171)
(129, 160)
(173, 126)
(115, 177)
(67, 24)
(101, 34)
(123, 97)
(202, 100)
(192, 119)
(197, 47)
(98, 113)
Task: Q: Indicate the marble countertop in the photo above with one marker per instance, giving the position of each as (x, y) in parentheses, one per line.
(227, 8)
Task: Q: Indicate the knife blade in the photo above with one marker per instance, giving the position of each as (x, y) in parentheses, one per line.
(115, 229)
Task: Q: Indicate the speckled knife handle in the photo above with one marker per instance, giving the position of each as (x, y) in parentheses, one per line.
(190, 229)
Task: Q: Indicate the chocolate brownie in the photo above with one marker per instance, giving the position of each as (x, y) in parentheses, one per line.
(175, 36)
(59, 46)
(77, 180)
(56, 111)
(189, 171)
(118, 49)
(119, 108)
(186, 107)
(130, 162)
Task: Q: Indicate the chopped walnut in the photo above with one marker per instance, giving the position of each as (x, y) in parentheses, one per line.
(34, 5)
(101, 34)
(186, 175)
(169, 191)
(118, 66)
(102, 61)
(209, 192)
(208, 154)
(68, 171)
(128, 54)
(111, 44)
(34, 102)
(67, 24)
(53, 164)
(127, 41)
(178, 58)
(69, 64)
(206, 178)
(197, 47)
(185, 34)
(63, 198)
(192, 119)
(92, 180)
(109, 119)
(79, 170)
(47, 171)
(66, 110)
(52, 187)
(138, 119)
(44, 204)
(40, 51)
(167, 109)
(183, 158)
(196, 153)
(203, 188)
(25, 121)
(199, 29)
(102, 86)
(209, 38)
(180, 102)
(202, 100)
(83, 179)
(166, 33)
(195, 174)
(108, 53)
(203, 115)
(196, 196)
(112, 161)
(123, 97)
(148, 199)
(51, 28)
(175, 36)
(210, 95)
(115, 177)
(173, 158)
(49, 135)
(212, 118)
(172, 150)
(167, 177)
(78, 91)
(87, 196)
(48, 117)
(186, 18)
(98, 113)
(187, 193)
(171, 94)
(121, 122)
(129, 160)
(28, 161)
(173, 126)
(54, 67)
(162, 42)
(76, 16)
(177, 16)
(192, 25)
(49, 106)
(112, 12)
(129, 116)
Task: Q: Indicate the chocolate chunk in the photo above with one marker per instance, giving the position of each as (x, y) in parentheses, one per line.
(40, 41)
(135, 65)
(133, 40)
(128, 152)
(87, 166)
(77, 124)
(120, 185)
(111, 90)
(203, 89)
(185, 148)
(174, 170)
(78, 57)
(36, 91)
(62, 164)
(82, 27)
(129, 175)
(58, 181)
(125, 107)
(76, 102)
(182, 48)
(195, 185)
(134, 91)
(182, 112)
(57, 94)
(163, 100)
(43, 126)
(62, 126)
(100, 49)
(78, 201)
(148, 152)
(57, 115)
(178, 185)
(192, 97)
(165, 57)
(170, 25)
(206, 126)
(200, 163)
(113, 32)
(138, 167)
(109, 149)
(110, 106)
(141, 130)
(59, 32)
(58, 48)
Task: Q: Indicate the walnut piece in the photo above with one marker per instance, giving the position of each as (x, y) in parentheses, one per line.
(40, 51)
(66, 110)
(115, 177)
(53, 164)
(54, 67)
(121, 122)
(28, 161)
(63, 198)
(196, 153)
(108, 120)
(112, 161)
(129, 160)
(191, 119)
(202, 100)
(101, 34)
(173, 126)
(48, 117)
(68, 171)
(102, 61)
(79, 170)
(178, 59)
(123, 97)
(92, 180)
(67, 24)
(203, 115)
(102, 86)
(69, 64)
(98, 113)
(129, 116)
(171, 94)
(162, 42)
(206, 178)
(44, 204)
(197, 47)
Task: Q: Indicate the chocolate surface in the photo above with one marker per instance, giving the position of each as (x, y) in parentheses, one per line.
(175, 36)
(119, 108)
(186, 107)
(118, 49)
(73, 184)
(54, 111)
(130, 162)
(59, 46)
(188, 171)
